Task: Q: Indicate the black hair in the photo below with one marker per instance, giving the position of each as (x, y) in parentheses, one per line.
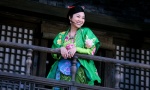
(73, 10)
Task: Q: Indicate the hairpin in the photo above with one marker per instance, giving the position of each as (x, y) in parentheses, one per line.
(70, 7)
(74, 6)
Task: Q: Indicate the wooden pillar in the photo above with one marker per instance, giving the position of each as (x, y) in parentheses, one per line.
(74, 68)
(117, 76)
(42, 60)
(73, 72)
(109, 79)
(28, 62)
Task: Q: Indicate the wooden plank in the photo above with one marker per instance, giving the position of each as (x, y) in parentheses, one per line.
(95, 58)
(49, 82)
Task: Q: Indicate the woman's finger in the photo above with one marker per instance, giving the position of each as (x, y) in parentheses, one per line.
(65, 56)
(72, 54)
(69, 54)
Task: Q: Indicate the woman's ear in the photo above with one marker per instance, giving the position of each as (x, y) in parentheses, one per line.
(69, 18)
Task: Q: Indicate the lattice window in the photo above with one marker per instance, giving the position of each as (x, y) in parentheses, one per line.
(11, 59)
(132, 78)
(21, 85)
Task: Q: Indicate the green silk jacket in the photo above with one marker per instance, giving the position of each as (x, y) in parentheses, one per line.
(83, 37)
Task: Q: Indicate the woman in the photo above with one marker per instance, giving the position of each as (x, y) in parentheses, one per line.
(76, 39)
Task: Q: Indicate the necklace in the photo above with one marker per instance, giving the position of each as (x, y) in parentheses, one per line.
(72, 37)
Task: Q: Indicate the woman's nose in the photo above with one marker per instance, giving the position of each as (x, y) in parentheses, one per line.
(81, 19)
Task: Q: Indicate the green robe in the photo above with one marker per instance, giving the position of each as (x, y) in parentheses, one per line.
(82, 35)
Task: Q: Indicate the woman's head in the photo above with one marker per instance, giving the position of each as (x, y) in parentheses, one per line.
(76, 16)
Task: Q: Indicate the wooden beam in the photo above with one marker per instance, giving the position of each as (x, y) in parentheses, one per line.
(44, 9)
(31, 6)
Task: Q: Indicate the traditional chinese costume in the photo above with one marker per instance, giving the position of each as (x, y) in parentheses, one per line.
(86, 43)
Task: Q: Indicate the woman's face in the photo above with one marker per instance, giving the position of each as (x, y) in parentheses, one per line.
(77, 19)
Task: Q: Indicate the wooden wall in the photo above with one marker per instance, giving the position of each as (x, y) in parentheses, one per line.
(49, 21)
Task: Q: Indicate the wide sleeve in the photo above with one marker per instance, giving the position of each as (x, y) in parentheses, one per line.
(91, 42)
(57, 42)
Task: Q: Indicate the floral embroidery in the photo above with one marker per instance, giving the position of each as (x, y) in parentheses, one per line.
(66, 38)
(93, 51)
(65, 68)
(59, 41)
(69, 46)
(89, 43)
(63, 32)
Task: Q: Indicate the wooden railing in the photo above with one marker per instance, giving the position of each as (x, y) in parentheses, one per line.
(71, 85)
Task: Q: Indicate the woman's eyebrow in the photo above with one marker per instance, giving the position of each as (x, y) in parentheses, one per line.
(80, 15)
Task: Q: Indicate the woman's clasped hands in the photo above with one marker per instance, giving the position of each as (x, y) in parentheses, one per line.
(67, 53)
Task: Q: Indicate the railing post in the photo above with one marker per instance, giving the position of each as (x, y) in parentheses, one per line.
(28, 61)
(73, 72)
(73, 67)
(117, 76)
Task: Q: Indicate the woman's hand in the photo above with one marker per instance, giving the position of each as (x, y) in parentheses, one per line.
(64, 52)
(71, 52)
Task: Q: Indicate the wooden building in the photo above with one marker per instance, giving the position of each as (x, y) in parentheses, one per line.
(37, 22)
